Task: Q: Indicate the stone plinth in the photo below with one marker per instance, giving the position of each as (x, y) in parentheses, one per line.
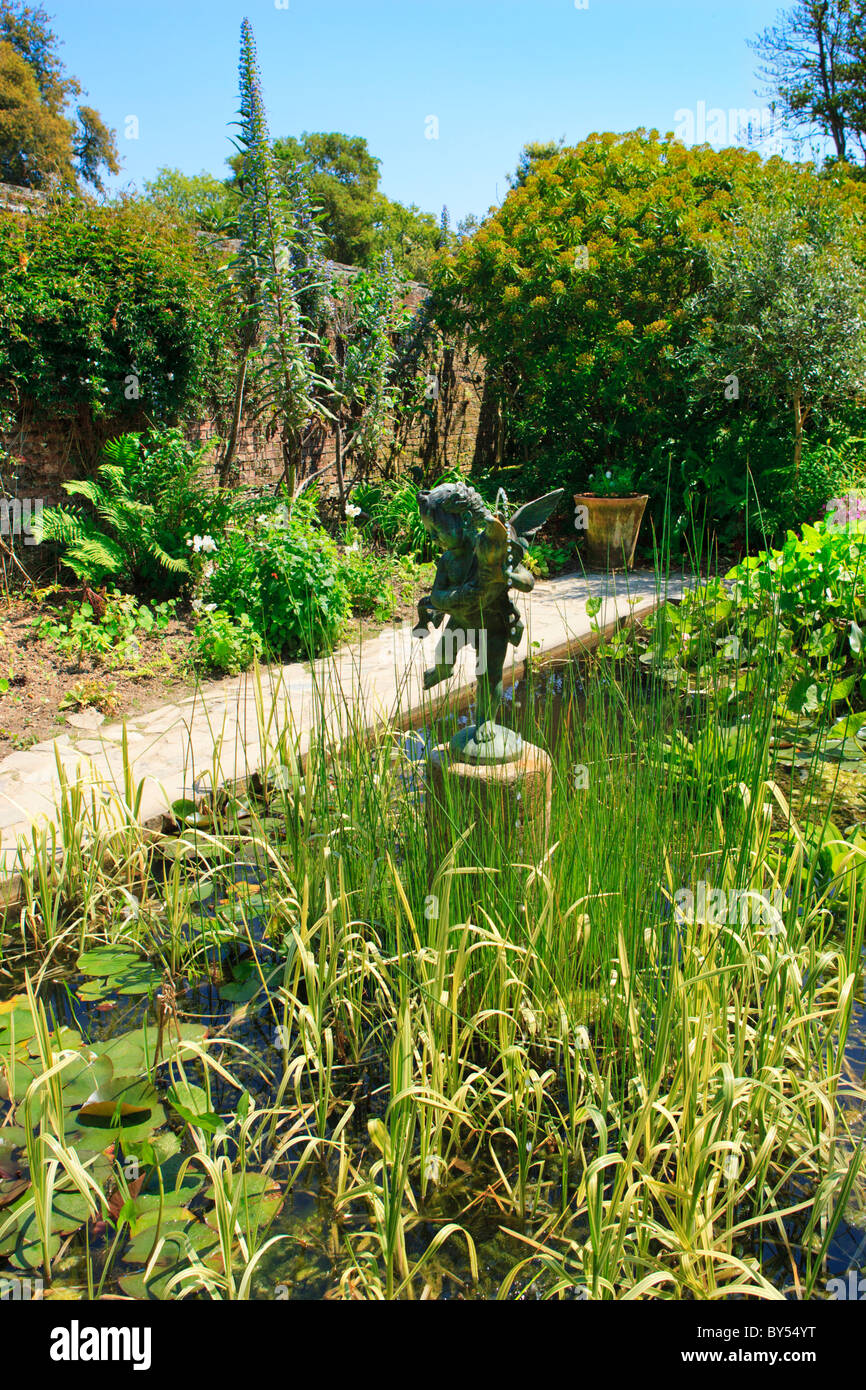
(512, 798)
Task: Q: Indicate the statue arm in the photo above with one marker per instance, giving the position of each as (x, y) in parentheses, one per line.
(444, 599)
(522, 579)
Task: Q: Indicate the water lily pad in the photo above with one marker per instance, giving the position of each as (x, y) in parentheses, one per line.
(93, 991)
(237, 992)
(175, 1247)
(125, 1107)
(191, 1103)
(174, 1256)
(201, 892)
(29, 1254)
(257, 1204)
(143, 981)
(107, 962)
(18, 1024)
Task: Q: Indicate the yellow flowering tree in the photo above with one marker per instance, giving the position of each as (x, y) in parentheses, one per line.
(576, 292)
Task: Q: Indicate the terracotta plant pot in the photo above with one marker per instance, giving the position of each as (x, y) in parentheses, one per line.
(612, 527)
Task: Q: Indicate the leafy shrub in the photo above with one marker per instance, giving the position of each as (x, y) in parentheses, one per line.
(377, 584)
(543, 558)
(173, 476)
(77, 630)
(92, 694)
(801, 607)
(224, 643)
(576, 292)
(111, 310)
(145, 498)
(283, 572)
(790, 619)
(393, 515)
(618, 480)
(828, 468)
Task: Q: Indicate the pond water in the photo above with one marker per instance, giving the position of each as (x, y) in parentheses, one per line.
(302, 1266)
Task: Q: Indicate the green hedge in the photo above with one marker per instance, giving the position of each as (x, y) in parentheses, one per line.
(93, 296)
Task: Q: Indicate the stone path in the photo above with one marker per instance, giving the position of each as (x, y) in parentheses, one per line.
(217, 734)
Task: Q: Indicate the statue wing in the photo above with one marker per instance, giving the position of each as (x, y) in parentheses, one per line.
(528, 518)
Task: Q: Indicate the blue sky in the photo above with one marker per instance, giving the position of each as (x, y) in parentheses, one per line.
(494, 74)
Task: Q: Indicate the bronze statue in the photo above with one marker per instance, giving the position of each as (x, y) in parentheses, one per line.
(482, 559)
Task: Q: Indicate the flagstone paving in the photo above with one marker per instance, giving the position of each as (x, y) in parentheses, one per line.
(216, 734)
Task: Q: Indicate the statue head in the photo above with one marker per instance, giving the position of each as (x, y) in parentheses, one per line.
(452, 514)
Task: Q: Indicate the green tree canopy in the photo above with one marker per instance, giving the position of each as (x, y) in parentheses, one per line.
(34, 140)
(38, 136)
(341, 180)
(576, 291)
(202, 198)
(533, 154)
(814, 60)
(783, 314)
(412, 237)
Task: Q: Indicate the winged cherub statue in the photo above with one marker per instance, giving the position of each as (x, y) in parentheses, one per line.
(481, 560)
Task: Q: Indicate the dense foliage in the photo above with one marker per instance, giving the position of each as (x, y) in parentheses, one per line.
(578, 292)
(783, 316)
(791, 619)
(45, 134)
(111, 311)
(134, 519)
(283, 572)
(224, 643)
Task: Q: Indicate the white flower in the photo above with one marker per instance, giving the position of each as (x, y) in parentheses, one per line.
(350, 548)
(352, 510)
(608, 474)
(203, 543)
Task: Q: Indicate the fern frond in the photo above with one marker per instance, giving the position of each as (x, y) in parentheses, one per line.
(59, 524)
(123, 452)
(91, 557)
(84, 487)
(167, 561)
